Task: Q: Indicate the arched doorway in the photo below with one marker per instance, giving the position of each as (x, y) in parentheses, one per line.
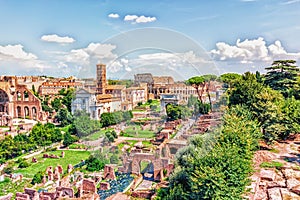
(19, 112)
(4, 100)
(147, 169)
(34, 113)
(26, 112)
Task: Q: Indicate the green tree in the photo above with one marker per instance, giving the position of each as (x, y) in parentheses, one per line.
(282, 76)
(94, 163)
(68, 96)
(244, 90)
(216, 165)
(229, 79)
(69, 139)
(83, 125)
(64, 117)
(208, 78)
(197, 82)
(56, 104)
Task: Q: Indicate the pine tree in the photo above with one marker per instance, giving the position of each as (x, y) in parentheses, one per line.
(282, 76)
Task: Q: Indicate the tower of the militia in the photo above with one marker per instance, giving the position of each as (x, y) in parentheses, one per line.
(101, 79)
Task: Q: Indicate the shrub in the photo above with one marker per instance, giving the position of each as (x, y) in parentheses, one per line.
(24, 164)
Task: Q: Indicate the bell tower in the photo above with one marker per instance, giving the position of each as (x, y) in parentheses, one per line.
(101, 79)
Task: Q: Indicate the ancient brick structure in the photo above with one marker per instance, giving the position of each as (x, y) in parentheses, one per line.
(131, 164)
(33, 194)
(60, 169)
(6, 197)
(101, 78)
(104, 186)
(50, 175)
(16, 101)
(70, 168)
(34, 160)
(21, 196)
(64, 192)
(88, 186)
(109, 172)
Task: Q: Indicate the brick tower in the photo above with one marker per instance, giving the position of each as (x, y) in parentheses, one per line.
(101, 78)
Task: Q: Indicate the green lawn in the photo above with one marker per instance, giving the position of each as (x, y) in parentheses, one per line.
(71, 157)
(97, 135)
(136, 131)
(147, 144)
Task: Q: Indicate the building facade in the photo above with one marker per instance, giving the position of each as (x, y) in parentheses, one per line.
(16, 101)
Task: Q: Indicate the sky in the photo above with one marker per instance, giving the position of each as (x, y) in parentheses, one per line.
(182, 38)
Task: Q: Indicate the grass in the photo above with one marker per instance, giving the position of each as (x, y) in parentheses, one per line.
(274, 150)
(136, 131)
(273, 164)
(147, 144)
(77, 146)
(144, 165)
(7, 186)
(97, 135)
(71, 157)
(131, 143)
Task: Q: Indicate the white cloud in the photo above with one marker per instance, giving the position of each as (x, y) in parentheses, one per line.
(245, 51)
(290, 2)
(130, 17)
(251, 51)
(18, 61)
(139, 19)
(93, 53)
(143, 19)
(15, 52)
(113, 15)
(57, 39)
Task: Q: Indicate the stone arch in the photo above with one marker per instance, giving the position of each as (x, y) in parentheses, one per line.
(146, 166)
(26, 112)
(138, 157)
(19, 96)
(26, 95)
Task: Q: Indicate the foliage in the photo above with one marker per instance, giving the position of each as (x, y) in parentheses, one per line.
(83, 125)
(175, 112)
(94, 163)
(108, 119)
(110, 136)
(37, 178)
(44, 135)
(197, 82)
(229, 79)
(68, 96)
(64, 117)
(40, 135)
(276, 115)
(56, 104)
(7, 186)
(23, 164)
(282, 76)
(69, 139)
(208, 78)
(204, 108)
(217, 165)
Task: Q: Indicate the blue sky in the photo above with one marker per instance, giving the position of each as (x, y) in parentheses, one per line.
(66, 37)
